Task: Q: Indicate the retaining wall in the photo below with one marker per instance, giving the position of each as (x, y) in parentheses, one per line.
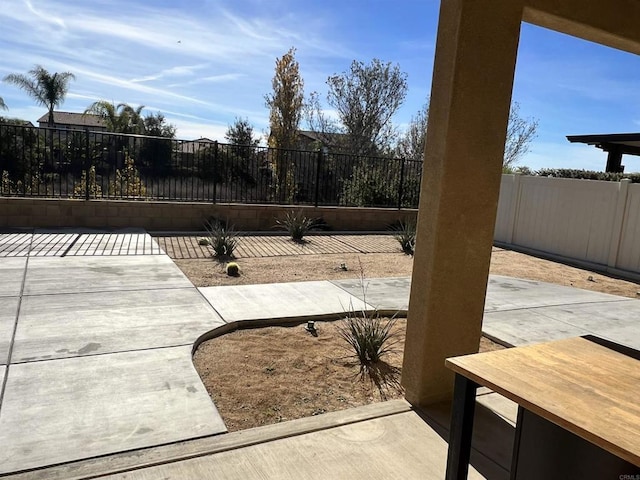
(181, 216)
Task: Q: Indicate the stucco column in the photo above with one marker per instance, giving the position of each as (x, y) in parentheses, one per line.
(473, 73)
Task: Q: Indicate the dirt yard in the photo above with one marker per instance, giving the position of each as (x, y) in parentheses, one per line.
(273, 374)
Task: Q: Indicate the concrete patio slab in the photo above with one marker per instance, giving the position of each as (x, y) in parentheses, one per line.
(382, 293)
(69, 325)
(8, 312)
(397, 446)
(280, 300)
(64, 410)
(11, 276)
(507, 293)
(51, 244)
(15, 244)
(115, 244)
(525, 327)
(101, 274)
(618, 321)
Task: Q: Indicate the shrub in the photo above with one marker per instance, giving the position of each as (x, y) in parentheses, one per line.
(127, 182)
(376, 183)
(297, 224)
(223, 240)
(232, 269)
(80, 188)
(405, 234)
(369, 336)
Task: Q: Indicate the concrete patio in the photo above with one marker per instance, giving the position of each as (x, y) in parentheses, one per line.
(96, 336)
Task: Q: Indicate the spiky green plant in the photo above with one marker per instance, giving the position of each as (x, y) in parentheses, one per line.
(222, 239)
(370, 336)
(297, 224)
(405, 234)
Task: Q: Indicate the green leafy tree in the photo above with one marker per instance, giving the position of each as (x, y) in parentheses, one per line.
(241, 133)
(22, 151)
(122, 118)
(285, 105)
(365, 99)
(48, 90)
(156, 125)
(155, 153)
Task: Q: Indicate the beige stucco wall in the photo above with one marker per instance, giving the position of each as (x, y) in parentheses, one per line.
(180, 216)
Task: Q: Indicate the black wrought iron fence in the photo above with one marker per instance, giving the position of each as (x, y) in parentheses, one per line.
(49, 162)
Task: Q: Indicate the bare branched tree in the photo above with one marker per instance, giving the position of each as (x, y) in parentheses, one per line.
(520, 133)
(318, 122)
(411, 143)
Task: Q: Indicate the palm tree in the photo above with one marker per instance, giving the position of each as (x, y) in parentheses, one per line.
(3, 106)
(45, 88)
(120, 119)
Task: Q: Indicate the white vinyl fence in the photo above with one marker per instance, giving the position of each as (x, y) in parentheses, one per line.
(586, 220)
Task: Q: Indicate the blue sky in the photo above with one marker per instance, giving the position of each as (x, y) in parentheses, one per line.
(204, 62)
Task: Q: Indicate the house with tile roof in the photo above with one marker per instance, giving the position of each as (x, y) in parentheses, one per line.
(74, 121)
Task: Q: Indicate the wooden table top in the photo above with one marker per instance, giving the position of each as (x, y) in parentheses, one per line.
(584, 387)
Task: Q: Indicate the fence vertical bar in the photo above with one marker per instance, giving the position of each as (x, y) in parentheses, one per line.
(215, 166)
(401, 184)
(86, 163)
(319, 164)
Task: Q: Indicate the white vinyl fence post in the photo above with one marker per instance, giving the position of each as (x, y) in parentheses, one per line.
(514, 207)
(618, 223)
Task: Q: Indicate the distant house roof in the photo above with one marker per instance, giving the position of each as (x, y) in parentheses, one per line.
(194, 146)
(615, 144)
(80, 120)
(330, 139)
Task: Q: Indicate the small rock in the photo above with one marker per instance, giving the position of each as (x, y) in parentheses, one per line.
(590, 279)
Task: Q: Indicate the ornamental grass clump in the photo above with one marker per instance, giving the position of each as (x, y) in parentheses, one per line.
(369, 336)
(223, 240)
(297, 224)
(405, 234)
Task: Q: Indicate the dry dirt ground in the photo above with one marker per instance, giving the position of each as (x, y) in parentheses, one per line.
(273, 374)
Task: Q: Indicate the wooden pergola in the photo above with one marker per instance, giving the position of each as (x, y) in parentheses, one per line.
(615, 144)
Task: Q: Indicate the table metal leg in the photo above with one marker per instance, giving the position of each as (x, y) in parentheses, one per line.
(462, 412)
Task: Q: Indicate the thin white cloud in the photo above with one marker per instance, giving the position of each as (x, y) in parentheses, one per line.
(228, 77)
(178, 71)
(49, 17)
